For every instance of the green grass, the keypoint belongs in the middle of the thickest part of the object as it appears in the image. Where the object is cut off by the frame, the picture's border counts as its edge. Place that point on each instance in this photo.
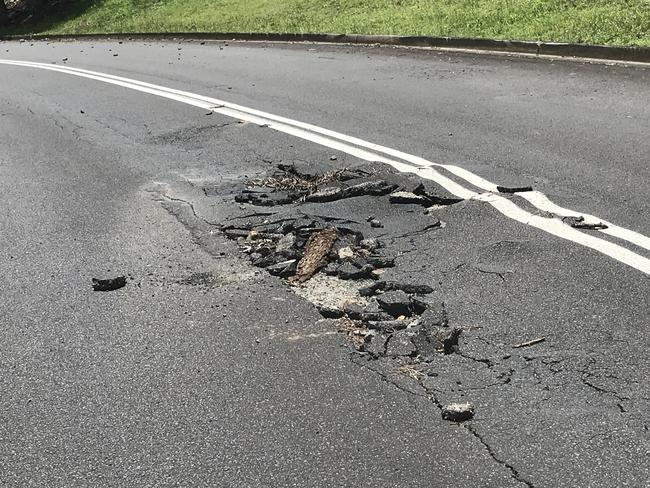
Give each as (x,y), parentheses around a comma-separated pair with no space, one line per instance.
(619,22)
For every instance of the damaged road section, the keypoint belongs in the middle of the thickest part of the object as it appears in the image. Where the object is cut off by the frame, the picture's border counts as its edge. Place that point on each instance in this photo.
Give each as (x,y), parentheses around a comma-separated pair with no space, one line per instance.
(383,318)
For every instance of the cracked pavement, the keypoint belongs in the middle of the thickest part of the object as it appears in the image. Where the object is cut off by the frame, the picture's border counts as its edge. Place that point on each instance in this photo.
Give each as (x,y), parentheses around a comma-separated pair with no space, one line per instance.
(205,370)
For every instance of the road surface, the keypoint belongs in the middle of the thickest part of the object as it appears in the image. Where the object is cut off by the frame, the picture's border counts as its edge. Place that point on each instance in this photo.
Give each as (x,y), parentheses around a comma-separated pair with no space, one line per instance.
(207,371)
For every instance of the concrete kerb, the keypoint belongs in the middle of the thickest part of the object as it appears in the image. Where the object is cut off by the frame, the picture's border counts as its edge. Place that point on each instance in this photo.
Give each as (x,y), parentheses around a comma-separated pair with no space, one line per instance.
(584,51)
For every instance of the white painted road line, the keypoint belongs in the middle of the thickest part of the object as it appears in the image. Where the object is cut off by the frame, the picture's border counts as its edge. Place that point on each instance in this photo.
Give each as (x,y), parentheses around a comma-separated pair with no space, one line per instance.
(353,146)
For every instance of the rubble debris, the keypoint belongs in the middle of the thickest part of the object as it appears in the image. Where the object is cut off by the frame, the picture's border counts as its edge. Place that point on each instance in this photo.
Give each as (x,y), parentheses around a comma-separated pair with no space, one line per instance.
(285,245)
(330,312)
(532,342)
(409,288)
(284,269)
(262,199)
(371,245)
(348,271)
(390,325)
(513,189)
(373,188)
(315,256)
(406,197)
(325,195)
(579,223)
(395,303)
(110,284)
(432,199)
(458,412)
(381,261)
(345,253)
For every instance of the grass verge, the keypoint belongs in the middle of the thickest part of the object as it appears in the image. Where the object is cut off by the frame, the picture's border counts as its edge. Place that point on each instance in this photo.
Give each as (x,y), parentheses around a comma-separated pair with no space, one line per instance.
(617,22)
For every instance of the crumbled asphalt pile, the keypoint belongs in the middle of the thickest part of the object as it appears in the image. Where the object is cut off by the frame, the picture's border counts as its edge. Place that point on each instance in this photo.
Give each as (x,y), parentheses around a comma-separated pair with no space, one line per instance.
(392,319)
(300,247)
(110,284)
(288,185)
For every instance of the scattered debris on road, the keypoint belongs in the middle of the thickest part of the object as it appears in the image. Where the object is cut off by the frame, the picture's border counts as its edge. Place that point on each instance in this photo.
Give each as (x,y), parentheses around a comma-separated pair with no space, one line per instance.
(110,284)
(529,343)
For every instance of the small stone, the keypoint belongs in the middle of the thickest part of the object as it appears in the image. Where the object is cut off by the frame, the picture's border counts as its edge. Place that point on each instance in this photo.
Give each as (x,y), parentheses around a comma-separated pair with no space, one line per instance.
(346,253)
(370,244)
(406,197)
(333,158)
(110,284)
(331,269)
(353,311)
(395,303)
(376,223)
(286,243)
(348,271)
(458,412)
(284,269)
(367,291)
(331,312)
(264,261)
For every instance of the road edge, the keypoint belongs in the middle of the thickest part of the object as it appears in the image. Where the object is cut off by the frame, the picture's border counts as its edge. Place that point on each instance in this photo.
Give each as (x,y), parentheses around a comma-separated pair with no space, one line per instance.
(557,49)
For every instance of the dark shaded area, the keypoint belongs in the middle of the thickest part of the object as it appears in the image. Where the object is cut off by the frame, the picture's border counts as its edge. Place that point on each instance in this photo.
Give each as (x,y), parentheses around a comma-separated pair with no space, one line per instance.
(29,16)
(110,284)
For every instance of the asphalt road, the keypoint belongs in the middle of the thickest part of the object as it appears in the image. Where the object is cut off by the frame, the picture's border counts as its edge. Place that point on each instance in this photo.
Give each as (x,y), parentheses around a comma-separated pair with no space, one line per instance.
(207,371)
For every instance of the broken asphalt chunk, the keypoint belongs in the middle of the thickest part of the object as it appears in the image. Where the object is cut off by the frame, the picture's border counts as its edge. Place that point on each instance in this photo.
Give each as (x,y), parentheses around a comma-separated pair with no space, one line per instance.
(458,412)
(283,269)
(395,303)
(388,326)
(370,244)
(348,271)
(406,197)
(325,195)
(331,312)
(374,188)
(110,284)
(381,261)
(579,223)
(513,189)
